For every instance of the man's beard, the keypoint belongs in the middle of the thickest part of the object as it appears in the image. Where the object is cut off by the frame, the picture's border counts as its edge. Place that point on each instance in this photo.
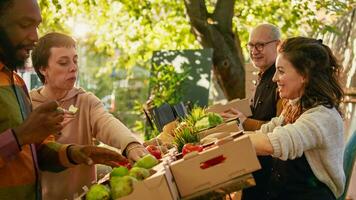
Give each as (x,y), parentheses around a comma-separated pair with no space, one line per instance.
(8,52)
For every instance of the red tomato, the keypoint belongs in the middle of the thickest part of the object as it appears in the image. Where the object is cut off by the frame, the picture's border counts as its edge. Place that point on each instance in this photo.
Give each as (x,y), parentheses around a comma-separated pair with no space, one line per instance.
(189,147)
(154,150)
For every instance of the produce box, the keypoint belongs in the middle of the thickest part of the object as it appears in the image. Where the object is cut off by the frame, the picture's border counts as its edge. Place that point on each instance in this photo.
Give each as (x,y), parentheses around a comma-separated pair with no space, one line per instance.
(158,186)
(243,105)
(230,126)
(214,166)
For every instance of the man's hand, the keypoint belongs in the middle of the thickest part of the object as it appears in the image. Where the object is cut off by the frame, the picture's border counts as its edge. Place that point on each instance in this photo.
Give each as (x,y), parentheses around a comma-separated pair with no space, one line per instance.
(68,117)
(233,113)
(46,119)
(89,155)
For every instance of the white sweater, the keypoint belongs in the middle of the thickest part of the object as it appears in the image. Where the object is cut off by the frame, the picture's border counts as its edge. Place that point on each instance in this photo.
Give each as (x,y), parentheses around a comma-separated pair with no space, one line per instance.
(318,133)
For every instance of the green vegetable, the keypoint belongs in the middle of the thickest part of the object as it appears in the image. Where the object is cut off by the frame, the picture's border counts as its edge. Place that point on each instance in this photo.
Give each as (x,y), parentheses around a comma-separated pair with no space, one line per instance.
(196,114)
(208,121)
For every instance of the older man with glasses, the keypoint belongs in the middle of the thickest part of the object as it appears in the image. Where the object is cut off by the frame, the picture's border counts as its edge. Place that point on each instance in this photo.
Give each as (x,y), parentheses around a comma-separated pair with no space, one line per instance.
(265,104)
(262,48)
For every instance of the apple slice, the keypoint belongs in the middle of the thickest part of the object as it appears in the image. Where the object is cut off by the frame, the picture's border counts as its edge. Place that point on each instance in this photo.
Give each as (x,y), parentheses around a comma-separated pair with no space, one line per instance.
(72,109)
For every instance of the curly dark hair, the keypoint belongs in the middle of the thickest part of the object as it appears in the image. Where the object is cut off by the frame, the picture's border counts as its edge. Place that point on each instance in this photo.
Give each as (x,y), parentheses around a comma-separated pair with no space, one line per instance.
(4,4)
(314,60)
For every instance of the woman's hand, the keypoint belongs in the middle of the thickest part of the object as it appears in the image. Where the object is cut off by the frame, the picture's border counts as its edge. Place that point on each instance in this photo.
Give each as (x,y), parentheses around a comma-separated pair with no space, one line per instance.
(89,155)
(135,151)
(261,143)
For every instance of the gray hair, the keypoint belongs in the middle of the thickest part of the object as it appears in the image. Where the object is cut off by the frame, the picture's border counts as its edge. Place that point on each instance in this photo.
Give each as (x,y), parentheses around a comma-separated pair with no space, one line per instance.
(275,32)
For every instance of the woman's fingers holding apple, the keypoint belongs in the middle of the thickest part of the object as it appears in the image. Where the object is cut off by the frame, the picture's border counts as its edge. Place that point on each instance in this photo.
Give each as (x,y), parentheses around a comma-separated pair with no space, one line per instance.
(136,153)
(89,155)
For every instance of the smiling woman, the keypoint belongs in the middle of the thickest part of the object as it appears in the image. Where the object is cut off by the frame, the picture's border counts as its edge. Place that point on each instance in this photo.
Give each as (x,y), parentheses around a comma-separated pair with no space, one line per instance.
(290,83)
(306,141)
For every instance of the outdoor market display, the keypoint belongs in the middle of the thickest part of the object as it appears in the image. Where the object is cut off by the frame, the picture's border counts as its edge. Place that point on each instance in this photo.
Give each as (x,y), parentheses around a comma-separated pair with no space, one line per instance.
(216,152)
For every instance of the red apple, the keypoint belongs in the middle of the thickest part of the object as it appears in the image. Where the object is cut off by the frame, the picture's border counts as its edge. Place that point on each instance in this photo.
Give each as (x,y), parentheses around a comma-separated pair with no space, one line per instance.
(126,164)
(154,150)
(189,147)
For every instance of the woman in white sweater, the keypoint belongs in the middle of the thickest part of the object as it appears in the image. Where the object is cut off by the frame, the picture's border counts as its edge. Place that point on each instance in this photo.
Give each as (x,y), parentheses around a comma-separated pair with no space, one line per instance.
(306,141)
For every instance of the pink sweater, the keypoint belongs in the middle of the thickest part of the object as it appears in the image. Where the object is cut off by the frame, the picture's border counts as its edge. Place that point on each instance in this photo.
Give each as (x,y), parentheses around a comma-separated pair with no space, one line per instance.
(92,121)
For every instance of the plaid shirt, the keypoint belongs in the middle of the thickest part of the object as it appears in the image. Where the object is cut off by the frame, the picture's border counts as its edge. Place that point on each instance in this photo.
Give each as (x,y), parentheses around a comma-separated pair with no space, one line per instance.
(19,168)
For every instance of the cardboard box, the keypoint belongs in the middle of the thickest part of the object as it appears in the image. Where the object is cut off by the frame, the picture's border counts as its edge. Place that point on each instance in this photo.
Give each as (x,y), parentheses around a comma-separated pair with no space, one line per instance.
(158,186)
(243,105)
(191,177)
(230,126)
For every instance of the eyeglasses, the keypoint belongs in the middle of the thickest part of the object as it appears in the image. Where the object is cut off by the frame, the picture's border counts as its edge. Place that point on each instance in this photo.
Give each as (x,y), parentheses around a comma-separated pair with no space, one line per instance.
(259,45)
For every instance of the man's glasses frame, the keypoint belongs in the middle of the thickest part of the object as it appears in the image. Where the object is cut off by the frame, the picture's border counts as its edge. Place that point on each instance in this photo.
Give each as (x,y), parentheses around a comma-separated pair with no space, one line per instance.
(259,46)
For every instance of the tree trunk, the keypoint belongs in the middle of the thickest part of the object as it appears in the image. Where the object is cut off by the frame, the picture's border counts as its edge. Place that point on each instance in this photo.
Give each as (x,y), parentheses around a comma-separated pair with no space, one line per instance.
(214,30)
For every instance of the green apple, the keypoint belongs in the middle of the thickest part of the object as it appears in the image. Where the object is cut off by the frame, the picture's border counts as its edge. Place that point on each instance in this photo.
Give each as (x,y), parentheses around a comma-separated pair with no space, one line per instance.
(98,192)
(147,162)
(139,173)
(121,186)
(119,171)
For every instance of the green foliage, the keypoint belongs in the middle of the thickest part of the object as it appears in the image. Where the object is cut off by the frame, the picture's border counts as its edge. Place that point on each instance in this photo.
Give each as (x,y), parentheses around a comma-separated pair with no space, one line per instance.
(293,17)
(121,35)
(118,35)
(165,87)
(149,132)
(166,84)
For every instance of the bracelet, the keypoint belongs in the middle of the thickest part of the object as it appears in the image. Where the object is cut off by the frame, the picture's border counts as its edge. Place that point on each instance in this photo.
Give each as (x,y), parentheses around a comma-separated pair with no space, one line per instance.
(132,146)
(69,157)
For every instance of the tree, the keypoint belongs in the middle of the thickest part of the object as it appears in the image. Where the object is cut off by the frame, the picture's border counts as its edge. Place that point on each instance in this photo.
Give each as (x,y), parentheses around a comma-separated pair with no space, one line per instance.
(121,35)
(214,29)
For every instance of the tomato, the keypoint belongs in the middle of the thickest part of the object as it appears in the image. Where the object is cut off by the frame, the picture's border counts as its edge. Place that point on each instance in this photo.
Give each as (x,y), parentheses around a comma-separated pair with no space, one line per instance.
(154,150)
(189,147)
